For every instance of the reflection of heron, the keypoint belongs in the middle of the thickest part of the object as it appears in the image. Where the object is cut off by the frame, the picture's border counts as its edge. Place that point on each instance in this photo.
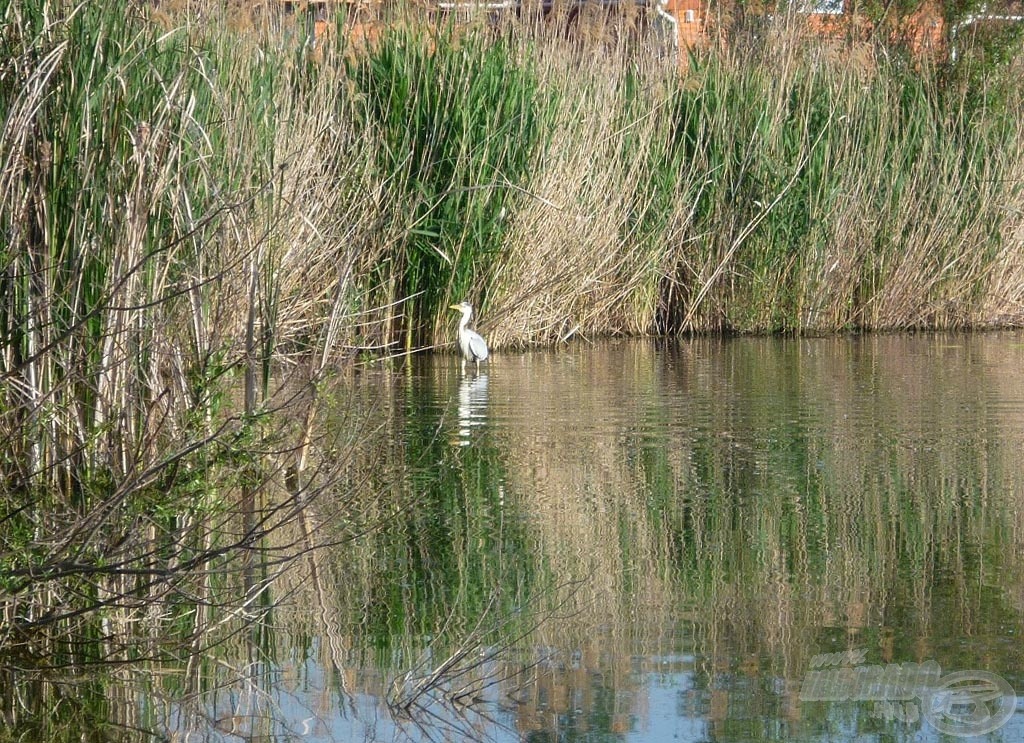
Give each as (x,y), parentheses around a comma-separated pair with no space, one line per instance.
(472,406)
(472,345)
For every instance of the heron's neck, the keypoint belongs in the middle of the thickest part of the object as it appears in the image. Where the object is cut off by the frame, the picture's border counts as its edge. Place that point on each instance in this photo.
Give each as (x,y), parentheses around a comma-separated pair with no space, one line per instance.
(464,321)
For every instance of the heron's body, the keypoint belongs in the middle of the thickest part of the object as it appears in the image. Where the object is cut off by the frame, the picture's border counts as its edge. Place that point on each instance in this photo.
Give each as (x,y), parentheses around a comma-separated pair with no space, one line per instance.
(471,344)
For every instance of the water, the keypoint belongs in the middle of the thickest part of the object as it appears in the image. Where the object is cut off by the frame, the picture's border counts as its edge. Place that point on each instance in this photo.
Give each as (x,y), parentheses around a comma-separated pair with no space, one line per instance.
(637,541)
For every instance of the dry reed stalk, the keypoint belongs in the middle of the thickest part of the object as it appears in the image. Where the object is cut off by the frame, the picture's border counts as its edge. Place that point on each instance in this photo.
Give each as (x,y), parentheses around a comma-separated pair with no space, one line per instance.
(1003,294)
(570,264)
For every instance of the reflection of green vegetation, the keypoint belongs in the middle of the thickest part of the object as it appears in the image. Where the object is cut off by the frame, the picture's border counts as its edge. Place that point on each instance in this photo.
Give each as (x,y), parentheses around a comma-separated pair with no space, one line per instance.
(854,523)
(457,548)
(786,511)
(774,499)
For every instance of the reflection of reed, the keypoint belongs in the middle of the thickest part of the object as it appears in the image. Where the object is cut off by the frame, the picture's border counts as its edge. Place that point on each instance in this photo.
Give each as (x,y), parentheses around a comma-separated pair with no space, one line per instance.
(577,481)
(799,485)
(722,510)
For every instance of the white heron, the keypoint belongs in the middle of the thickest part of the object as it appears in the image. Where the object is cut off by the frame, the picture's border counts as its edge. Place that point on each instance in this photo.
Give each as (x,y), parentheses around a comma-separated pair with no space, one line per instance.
(472,345)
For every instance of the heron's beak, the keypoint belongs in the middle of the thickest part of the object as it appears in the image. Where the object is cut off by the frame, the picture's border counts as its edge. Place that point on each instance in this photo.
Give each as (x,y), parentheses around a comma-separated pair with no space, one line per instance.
(454,307)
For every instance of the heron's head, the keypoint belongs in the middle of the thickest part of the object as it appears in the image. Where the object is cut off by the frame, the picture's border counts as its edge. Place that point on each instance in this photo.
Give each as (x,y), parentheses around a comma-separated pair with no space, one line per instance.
(464,307)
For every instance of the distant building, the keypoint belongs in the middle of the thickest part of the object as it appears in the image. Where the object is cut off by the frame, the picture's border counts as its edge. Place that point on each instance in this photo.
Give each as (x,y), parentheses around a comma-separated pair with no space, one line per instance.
(686,25)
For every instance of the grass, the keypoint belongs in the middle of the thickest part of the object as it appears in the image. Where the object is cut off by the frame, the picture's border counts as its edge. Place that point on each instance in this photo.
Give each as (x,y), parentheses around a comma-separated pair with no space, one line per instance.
(146,289)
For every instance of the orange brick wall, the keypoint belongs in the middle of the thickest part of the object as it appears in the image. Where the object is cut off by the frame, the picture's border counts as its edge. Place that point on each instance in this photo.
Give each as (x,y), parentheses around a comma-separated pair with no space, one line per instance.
(691,22)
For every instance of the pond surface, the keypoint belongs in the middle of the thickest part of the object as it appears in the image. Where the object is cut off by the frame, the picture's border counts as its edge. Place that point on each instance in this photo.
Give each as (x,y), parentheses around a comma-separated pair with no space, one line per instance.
(710,540)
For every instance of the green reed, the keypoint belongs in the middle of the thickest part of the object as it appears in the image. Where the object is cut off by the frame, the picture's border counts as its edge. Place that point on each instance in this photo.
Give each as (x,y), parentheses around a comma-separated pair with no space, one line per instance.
(839,198)
(142,209)
(459,120)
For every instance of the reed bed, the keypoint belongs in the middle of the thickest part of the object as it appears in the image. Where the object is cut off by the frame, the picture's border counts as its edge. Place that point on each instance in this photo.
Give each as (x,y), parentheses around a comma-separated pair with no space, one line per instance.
(563,186)
(194,205)
(146,290)
(775,188)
